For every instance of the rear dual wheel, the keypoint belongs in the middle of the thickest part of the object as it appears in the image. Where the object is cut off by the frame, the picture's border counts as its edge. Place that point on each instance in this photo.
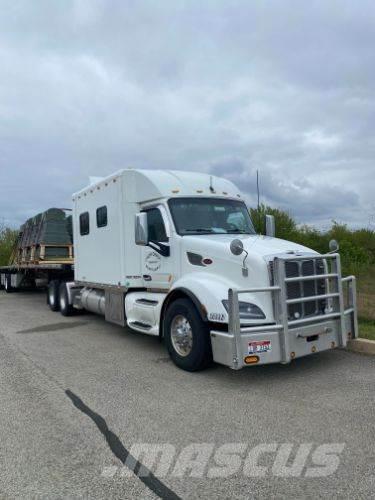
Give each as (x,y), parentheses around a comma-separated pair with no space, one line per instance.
(66,308)
(58,298)
(53,295)
(8,283)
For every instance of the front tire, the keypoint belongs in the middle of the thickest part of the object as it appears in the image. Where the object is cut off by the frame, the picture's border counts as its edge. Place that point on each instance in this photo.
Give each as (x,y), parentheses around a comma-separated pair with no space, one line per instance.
(187,336)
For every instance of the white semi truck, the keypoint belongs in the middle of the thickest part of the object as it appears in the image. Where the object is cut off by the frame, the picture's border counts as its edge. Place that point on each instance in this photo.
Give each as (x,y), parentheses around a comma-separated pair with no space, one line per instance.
(175,255)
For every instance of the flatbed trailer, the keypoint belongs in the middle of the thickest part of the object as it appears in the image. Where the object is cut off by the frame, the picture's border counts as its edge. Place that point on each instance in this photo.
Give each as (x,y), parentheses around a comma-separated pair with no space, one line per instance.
(21,276)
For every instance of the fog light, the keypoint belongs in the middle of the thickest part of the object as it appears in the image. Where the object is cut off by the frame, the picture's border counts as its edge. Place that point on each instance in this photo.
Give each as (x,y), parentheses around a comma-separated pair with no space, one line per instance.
(292,355)
(333,345)
(251,360)
(313,349)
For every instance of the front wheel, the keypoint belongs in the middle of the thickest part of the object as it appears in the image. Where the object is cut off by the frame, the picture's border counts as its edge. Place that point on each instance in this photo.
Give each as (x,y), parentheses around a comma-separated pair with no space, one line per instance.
(187,336)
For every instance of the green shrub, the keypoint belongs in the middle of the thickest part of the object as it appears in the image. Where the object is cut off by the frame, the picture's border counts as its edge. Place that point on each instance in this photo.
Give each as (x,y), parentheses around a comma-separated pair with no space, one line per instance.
(285,224)
(7,240)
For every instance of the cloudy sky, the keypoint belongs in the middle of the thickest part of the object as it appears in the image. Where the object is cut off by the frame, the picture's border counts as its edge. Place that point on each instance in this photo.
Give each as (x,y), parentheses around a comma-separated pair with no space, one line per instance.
(228,87)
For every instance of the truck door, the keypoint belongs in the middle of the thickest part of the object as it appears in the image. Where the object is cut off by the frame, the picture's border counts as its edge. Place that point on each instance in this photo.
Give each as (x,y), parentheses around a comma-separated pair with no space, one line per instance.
(157,261)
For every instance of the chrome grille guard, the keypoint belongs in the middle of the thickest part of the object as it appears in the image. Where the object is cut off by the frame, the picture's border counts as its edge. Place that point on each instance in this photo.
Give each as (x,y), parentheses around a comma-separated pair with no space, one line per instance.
(337,289)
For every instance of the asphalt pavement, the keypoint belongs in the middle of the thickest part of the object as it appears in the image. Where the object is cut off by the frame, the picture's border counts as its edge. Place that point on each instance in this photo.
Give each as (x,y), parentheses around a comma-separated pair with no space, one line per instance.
(79,396)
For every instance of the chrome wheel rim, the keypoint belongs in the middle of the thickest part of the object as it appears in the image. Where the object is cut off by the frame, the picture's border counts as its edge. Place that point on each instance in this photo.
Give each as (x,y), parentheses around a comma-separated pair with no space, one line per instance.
(181,335)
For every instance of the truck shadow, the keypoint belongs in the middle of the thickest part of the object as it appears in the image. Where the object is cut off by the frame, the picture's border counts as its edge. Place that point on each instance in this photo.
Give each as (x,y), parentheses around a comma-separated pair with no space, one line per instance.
(53,327)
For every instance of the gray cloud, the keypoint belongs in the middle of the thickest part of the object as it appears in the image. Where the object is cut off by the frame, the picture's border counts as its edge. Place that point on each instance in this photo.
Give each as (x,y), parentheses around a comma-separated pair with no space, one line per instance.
(88,87)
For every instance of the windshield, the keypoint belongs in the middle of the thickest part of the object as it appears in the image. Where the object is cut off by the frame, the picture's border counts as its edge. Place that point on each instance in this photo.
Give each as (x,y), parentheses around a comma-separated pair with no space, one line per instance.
(210,216)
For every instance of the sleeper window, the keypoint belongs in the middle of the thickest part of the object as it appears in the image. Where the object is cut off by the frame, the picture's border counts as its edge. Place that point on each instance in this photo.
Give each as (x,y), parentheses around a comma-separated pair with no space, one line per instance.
(84,223)
(101,216)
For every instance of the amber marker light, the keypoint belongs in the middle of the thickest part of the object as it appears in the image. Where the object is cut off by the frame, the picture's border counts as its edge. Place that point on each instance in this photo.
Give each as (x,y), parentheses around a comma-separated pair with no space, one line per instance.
(251,360)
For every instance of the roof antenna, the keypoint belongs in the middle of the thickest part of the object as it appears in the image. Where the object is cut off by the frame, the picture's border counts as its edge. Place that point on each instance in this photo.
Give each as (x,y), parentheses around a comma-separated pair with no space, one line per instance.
(259,217)
(211,186)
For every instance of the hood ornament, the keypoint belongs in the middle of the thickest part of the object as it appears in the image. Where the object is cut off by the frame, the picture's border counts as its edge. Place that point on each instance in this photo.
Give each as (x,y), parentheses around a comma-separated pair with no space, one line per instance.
(294,252)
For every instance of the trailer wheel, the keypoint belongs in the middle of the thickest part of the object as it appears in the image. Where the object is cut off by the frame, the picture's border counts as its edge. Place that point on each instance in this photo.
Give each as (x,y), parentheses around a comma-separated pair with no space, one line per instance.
(53,295)
(187,337)
(8,283)
(66,309)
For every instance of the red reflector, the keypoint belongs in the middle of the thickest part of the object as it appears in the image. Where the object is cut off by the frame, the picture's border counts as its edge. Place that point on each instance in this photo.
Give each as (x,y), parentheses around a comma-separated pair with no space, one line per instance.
(207,262)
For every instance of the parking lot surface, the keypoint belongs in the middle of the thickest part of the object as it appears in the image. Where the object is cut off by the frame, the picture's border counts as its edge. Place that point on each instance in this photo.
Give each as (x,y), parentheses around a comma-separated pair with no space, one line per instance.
(78,395)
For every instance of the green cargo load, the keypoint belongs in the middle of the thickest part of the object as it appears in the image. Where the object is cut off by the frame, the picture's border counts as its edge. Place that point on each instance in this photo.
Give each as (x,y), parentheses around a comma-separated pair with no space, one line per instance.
(46,237)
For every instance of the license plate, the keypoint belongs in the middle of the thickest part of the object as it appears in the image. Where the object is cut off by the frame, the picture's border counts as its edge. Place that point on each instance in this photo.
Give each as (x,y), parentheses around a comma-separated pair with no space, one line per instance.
(259,346)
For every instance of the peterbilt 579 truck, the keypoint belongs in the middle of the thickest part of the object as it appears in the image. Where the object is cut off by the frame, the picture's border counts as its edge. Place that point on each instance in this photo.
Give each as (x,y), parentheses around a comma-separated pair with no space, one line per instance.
(175,255)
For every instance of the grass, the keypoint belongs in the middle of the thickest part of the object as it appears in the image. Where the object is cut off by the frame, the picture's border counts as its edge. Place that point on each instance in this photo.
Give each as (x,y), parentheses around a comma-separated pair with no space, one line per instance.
(366,305)
(366,328)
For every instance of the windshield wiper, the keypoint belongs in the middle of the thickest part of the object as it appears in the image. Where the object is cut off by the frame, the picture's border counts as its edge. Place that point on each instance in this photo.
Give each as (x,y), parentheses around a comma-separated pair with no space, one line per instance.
(199,230)
(242,231)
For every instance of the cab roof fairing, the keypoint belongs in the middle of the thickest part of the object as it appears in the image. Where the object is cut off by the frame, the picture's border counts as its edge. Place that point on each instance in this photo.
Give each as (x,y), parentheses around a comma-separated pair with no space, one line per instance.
(146,185)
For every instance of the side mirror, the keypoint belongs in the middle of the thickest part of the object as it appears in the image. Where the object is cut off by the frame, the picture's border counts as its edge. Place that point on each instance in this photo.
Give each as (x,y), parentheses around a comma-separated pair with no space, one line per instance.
(236,247)
(270,226)
(141,229)
(333,246)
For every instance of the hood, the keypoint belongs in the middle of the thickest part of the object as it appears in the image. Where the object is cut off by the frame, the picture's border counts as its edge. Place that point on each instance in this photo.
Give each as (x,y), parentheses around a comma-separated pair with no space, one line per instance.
(262,246)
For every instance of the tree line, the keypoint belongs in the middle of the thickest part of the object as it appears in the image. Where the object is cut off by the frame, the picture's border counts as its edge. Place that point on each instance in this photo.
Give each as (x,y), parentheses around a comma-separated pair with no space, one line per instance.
(357,246)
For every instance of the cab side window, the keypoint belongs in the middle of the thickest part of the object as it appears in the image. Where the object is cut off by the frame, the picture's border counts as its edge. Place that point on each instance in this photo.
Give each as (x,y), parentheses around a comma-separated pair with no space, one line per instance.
(156,228)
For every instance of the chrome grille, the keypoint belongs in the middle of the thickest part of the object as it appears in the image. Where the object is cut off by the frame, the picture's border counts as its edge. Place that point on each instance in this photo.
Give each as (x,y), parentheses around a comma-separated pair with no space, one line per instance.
(297,289)
(309,288)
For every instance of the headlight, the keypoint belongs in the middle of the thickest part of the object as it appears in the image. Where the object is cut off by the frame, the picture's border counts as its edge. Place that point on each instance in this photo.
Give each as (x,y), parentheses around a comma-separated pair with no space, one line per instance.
(247,310)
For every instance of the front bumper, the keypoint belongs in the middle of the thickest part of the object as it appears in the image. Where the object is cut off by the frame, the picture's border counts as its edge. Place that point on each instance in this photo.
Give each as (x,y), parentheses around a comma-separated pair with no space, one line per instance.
(289,339)
(267,347)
